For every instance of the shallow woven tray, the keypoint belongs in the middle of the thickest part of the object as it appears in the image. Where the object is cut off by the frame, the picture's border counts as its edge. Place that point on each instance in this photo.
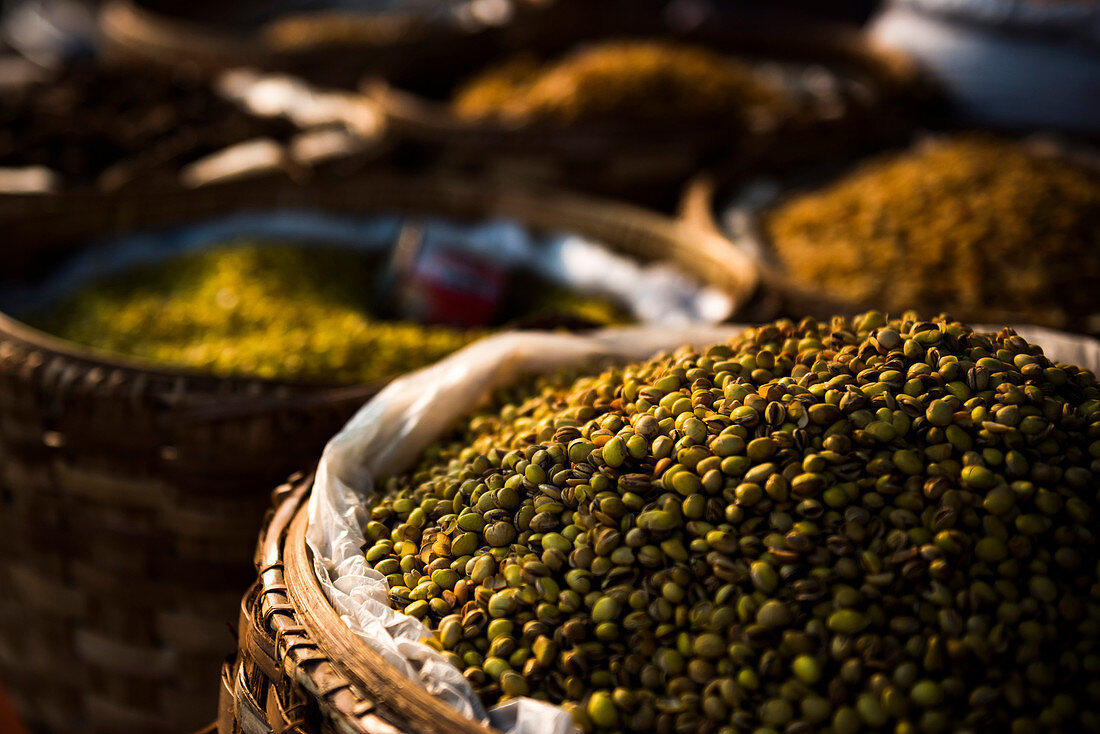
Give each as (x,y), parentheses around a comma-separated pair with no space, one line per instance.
(625,157)
(778,294)
(130,494)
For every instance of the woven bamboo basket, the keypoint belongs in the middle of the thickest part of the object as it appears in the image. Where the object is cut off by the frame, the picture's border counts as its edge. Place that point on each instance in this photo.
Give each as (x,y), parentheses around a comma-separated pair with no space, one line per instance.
(778,295)
(130,494)
(648,161)
(299,668)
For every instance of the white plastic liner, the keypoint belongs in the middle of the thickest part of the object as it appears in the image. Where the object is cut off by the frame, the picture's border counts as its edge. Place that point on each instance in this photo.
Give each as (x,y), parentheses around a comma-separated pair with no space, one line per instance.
(387,435)
(1060,346)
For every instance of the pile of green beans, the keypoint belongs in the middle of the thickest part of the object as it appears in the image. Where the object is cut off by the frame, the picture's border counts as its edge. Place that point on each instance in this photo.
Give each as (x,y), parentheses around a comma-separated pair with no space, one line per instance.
(851,525)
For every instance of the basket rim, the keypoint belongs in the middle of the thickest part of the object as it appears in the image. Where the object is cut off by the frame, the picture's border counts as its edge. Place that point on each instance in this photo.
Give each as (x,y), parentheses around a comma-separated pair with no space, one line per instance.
(538,207)
(417,115)
(128,25)
(134,27)
(286,569)
(12,329)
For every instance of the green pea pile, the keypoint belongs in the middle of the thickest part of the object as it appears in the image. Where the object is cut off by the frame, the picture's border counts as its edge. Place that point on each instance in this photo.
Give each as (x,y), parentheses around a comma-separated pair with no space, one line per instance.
(840,526)
(278,311)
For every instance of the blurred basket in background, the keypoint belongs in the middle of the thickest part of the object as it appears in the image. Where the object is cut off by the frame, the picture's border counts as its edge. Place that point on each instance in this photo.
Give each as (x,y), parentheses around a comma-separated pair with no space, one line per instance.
(132,493)
(847,94)
(956,182)
(330,43)
(114,126)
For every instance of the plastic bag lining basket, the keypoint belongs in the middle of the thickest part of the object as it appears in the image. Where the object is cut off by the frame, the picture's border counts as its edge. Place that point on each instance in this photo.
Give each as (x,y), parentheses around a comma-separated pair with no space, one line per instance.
(130,494)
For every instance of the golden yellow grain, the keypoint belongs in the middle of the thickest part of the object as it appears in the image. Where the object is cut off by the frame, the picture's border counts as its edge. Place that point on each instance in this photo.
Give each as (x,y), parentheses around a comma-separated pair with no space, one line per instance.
(972,225)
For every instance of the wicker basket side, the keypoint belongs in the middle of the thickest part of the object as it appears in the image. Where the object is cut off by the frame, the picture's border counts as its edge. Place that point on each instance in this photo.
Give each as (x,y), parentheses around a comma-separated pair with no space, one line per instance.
(298,665)
(123,528)
(637,159)
(122,532)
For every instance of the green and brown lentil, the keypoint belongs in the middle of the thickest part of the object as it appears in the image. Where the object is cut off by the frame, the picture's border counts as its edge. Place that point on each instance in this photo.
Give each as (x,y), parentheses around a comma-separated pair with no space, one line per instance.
(777,534)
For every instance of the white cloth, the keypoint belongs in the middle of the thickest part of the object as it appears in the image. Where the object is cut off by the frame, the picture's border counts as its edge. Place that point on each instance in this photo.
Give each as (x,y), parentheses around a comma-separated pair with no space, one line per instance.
(1005,62)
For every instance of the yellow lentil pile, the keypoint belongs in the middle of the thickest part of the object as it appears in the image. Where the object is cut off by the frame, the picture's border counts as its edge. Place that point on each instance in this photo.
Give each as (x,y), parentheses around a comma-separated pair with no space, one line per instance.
(617,81)
(976,226)
(270,310)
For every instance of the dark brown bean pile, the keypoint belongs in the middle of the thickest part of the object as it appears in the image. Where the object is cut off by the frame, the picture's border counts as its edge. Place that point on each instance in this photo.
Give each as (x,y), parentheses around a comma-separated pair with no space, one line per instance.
(108,126)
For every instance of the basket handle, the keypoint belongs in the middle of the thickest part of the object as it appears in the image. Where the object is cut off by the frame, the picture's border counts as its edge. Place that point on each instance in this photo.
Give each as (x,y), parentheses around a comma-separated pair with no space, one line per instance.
(695,203)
